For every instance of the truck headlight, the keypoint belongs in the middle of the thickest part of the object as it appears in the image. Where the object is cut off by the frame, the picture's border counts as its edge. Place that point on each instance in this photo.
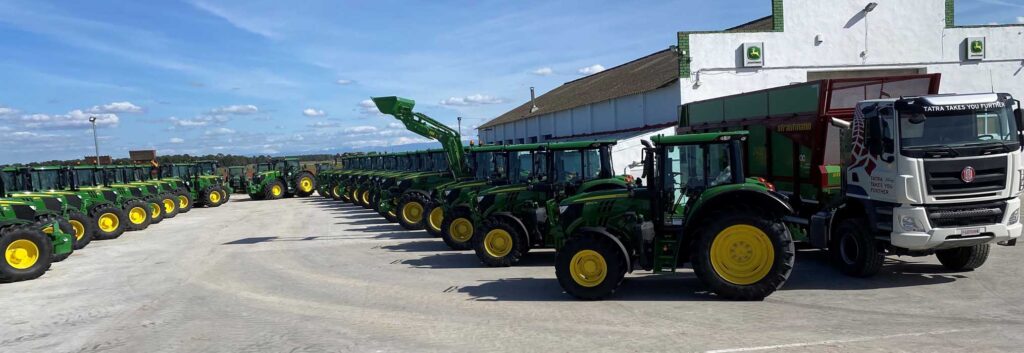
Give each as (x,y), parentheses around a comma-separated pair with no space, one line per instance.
(910,224)
(1014,217)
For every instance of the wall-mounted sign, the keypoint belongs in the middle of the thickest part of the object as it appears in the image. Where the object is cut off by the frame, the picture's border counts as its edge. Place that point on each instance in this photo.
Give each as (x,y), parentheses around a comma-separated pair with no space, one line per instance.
(753,54)
(975,48)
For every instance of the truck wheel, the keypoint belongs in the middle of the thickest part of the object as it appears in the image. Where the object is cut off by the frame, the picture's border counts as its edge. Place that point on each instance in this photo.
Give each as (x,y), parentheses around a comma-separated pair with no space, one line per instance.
(139,217)
(26,253)
(156,212)
(412,209)
(457,230)
(435,217)
(743,256)
(184,201)
(855,250)
(274,190)
(305,184)
(498,244)
(590,267)
(170,205)
(110,222)
(83,227)
(46,225)
(965,258)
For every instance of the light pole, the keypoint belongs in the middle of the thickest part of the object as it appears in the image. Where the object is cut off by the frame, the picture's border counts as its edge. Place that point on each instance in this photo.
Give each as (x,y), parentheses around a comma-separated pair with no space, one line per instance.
(460,127)
(95,140)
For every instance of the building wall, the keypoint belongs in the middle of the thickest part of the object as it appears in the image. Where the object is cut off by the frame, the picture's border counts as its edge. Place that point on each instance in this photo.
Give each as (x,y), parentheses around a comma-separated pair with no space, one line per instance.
(624,113)
(898,34)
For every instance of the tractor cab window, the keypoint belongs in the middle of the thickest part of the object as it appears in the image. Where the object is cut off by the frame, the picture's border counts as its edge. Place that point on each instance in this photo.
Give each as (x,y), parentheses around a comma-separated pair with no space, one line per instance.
(45,179)
(690,169)
(89,177)
(207,168)
(8,181)
(484,165)
(439,161)
(262,167)
(521,166)
(575,166)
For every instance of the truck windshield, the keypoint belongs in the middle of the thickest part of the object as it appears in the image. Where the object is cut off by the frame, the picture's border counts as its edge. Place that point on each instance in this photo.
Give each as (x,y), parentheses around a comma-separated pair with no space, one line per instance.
(958,127)
(577,165)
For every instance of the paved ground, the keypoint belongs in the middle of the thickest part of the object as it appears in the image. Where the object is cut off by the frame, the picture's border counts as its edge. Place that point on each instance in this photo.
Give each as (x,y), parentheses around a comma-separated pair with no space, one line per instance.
(306,275)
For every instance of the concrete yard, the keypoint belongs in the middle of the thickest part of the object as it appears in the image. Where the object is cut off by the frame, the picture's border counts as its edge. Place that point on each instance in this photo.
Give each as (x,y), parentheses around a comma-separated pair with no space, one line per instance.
(309,275)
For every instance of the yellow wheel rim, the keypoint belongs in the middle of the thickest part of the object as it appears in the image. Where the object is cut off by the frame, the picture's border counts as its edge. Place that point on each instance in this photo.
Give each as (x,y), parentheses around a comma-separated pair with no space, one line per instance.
(588,268)
(435,218)
(413,212)
(108,222)
(215,197)
(168,205)
(306,184)
(276,190)
(21,254)
(137,215)
(336,192)
(461,230)
(366,197)
(154,210)
(498,243)
(742,254)
(182,201)
(79,229)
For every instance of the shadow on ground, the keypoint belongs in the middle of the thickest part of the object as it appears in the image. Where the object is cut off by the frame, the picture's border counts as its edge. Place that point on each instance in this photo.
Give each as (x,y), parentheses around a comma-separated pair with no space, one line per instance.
(468,259)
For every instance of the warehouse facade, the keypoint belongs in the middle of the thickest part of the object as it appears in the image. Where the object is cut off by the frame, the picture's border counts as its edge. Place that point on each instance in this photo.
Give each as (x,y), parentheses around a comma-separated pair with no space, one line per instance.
(802,40)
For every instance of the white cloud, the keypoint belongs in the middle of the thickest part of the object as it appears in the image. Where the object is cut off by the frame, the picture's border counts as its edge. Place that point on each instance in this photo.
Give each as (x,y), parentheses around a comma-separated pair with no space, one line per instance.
(116,107)
(73,119)
(4,128)
(476,99)
(200,121)
(1020,19)
(220,131)
(344,82)
(544,71)
(364,129)
(7,111)
(324,124)
(237,109)
(590,70)
(396,125)
(368,107)
(313,113)
(176,140)
(254,24)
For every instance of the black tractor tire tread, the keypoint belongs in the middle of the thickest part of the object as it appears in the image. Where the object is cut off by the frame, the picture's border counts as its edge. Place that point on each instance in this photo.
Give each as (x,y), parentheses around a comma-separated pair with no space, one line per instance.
(298,178)
(782,241)
(7,236)
(616,261)
(122,224)
(174,200)
(519,244)
(405,199)
(446,226)
(90,228)
(128,206)
(267,190)
(187,195)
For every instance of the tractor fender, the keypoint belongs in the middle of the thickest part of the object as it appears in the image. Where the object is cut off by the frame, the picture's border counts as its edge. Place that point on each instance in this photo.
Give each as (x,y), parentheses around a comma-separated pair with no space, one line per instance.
(746,196)
(426,194)
(515,220)
(604,232)
(92,211)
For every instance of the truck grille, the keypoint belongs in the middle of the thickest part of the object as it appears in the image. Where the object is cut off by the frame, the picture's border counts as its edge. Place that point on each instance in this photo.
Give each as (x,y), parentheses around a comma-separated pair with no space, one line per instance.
(966,215)
(944,176)
(24,212)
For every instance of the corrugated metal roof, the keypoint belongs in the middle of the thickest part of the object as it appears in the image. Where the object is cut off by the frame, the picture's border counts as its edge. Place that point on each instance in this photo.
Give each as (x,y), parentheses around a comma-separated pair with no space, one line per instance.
(641,75)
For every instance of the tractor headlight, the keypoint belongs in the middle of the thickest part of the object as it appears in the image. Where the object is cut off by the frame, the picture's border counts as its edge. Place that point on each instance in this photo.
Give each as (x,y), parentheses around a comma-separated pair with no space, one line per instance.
(561,209)
(446,192)
(910,224)
(1014,217)
(479,198)
(33,207)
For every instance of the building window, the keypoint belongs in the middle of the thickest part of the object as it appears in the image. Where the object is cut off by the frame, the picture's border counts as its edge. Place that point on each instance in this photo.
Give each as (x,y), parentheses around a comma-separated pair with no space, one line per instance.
(520,141)
(533,139)
(546,137)
(508,142)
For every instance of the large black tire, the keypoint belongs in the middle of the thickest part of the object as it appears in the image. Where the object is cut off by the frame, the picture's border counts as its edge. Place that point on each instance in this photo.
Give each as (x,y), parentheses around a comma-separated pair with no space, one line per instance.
(273,190)
(499,244)
(224,195)
(111,222)
(412,210)
(185,201)
(725,255)
(855,250)
(140,216)
(46,224)
(301,188)
(83,227)
(457,229)
(364,198)
(353,196)
(215,196)
(170,205)
(965,258)
(434,220)
(590,267)
(156,211)
(15,267)
(257,196)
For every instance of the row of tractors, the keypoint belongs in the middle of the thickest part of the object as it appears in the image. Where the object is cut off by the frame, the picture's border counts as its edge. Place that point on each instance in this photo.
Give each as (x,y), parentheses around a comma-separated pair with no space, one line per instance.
(49,212)
(694,203)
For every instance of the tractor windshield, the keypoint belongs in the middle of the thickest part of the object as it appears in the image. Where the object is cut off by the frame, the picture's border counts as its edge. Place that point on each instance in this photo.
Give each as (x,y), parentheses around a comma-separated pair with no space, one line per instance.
(207,167)
(439,161)
(262,167)
(579,165)
(89,177)
(521,166)
(485,165)
(690,169)
(46,179)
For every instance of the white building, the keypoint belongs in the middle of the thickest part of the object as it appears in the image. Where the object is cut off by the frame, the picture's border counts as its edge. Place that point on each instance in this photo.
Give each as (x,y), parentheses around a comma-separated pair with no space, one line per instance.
(803,40)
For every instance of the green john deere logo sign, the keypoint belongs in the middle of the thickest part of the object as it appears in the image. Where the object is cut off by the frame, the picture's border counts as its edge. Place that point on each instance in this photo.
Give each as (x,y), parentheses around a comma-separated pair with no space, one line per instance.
(754,53)
(977,47)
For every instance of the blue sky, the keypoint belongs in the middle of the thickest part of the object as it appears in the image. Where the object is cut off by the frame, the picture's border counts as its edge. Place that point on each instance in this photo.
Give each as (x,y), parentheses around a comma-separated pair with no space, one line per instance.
(277,77)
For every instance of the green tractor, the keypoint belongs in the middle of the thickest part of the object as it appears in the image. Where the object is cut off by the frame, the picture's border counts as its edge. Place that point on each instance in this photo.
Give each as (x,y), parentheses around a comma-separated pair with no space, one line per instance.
(511,219)
(323,170)
(238,178)
(90,213)
(697,208)
(283,178)
(194,185)
(165,194)
(91,178)
(27,249)
(53,217)
(210,170)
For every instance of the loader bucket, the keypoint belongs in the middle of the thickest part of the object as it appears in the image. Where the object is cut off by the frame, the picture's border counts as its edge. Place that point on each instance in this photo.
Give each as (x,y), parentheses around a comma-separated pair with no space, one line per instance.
(394,105)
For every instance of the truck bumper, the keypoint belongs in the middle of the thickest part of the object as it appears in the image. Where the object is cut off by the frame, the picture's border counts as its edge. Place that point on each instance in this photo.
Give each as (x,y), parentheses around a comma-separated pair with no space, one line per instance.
(928,238)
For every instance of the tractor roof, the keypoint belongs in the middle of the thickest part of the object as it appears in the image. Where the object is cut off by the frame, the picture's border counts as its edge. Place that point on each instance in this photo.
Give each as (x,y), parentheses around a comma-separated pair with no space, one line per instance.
(575,145)
(709,137)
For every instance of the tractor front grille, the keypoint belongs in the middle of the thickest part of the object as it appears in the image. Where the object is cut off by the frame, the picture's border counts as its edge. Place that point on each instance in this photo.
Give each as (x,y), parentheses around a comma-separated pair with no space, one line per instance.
(75,201)
(109,195)
(24,212)
(52,203)
(151,189)
(136,192)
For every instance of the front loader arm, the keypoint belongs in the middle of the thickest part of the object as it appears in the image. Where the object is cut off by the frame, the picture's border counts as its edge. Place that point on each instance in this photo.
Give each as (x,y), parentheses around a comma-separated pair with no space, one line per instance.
(426,126)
